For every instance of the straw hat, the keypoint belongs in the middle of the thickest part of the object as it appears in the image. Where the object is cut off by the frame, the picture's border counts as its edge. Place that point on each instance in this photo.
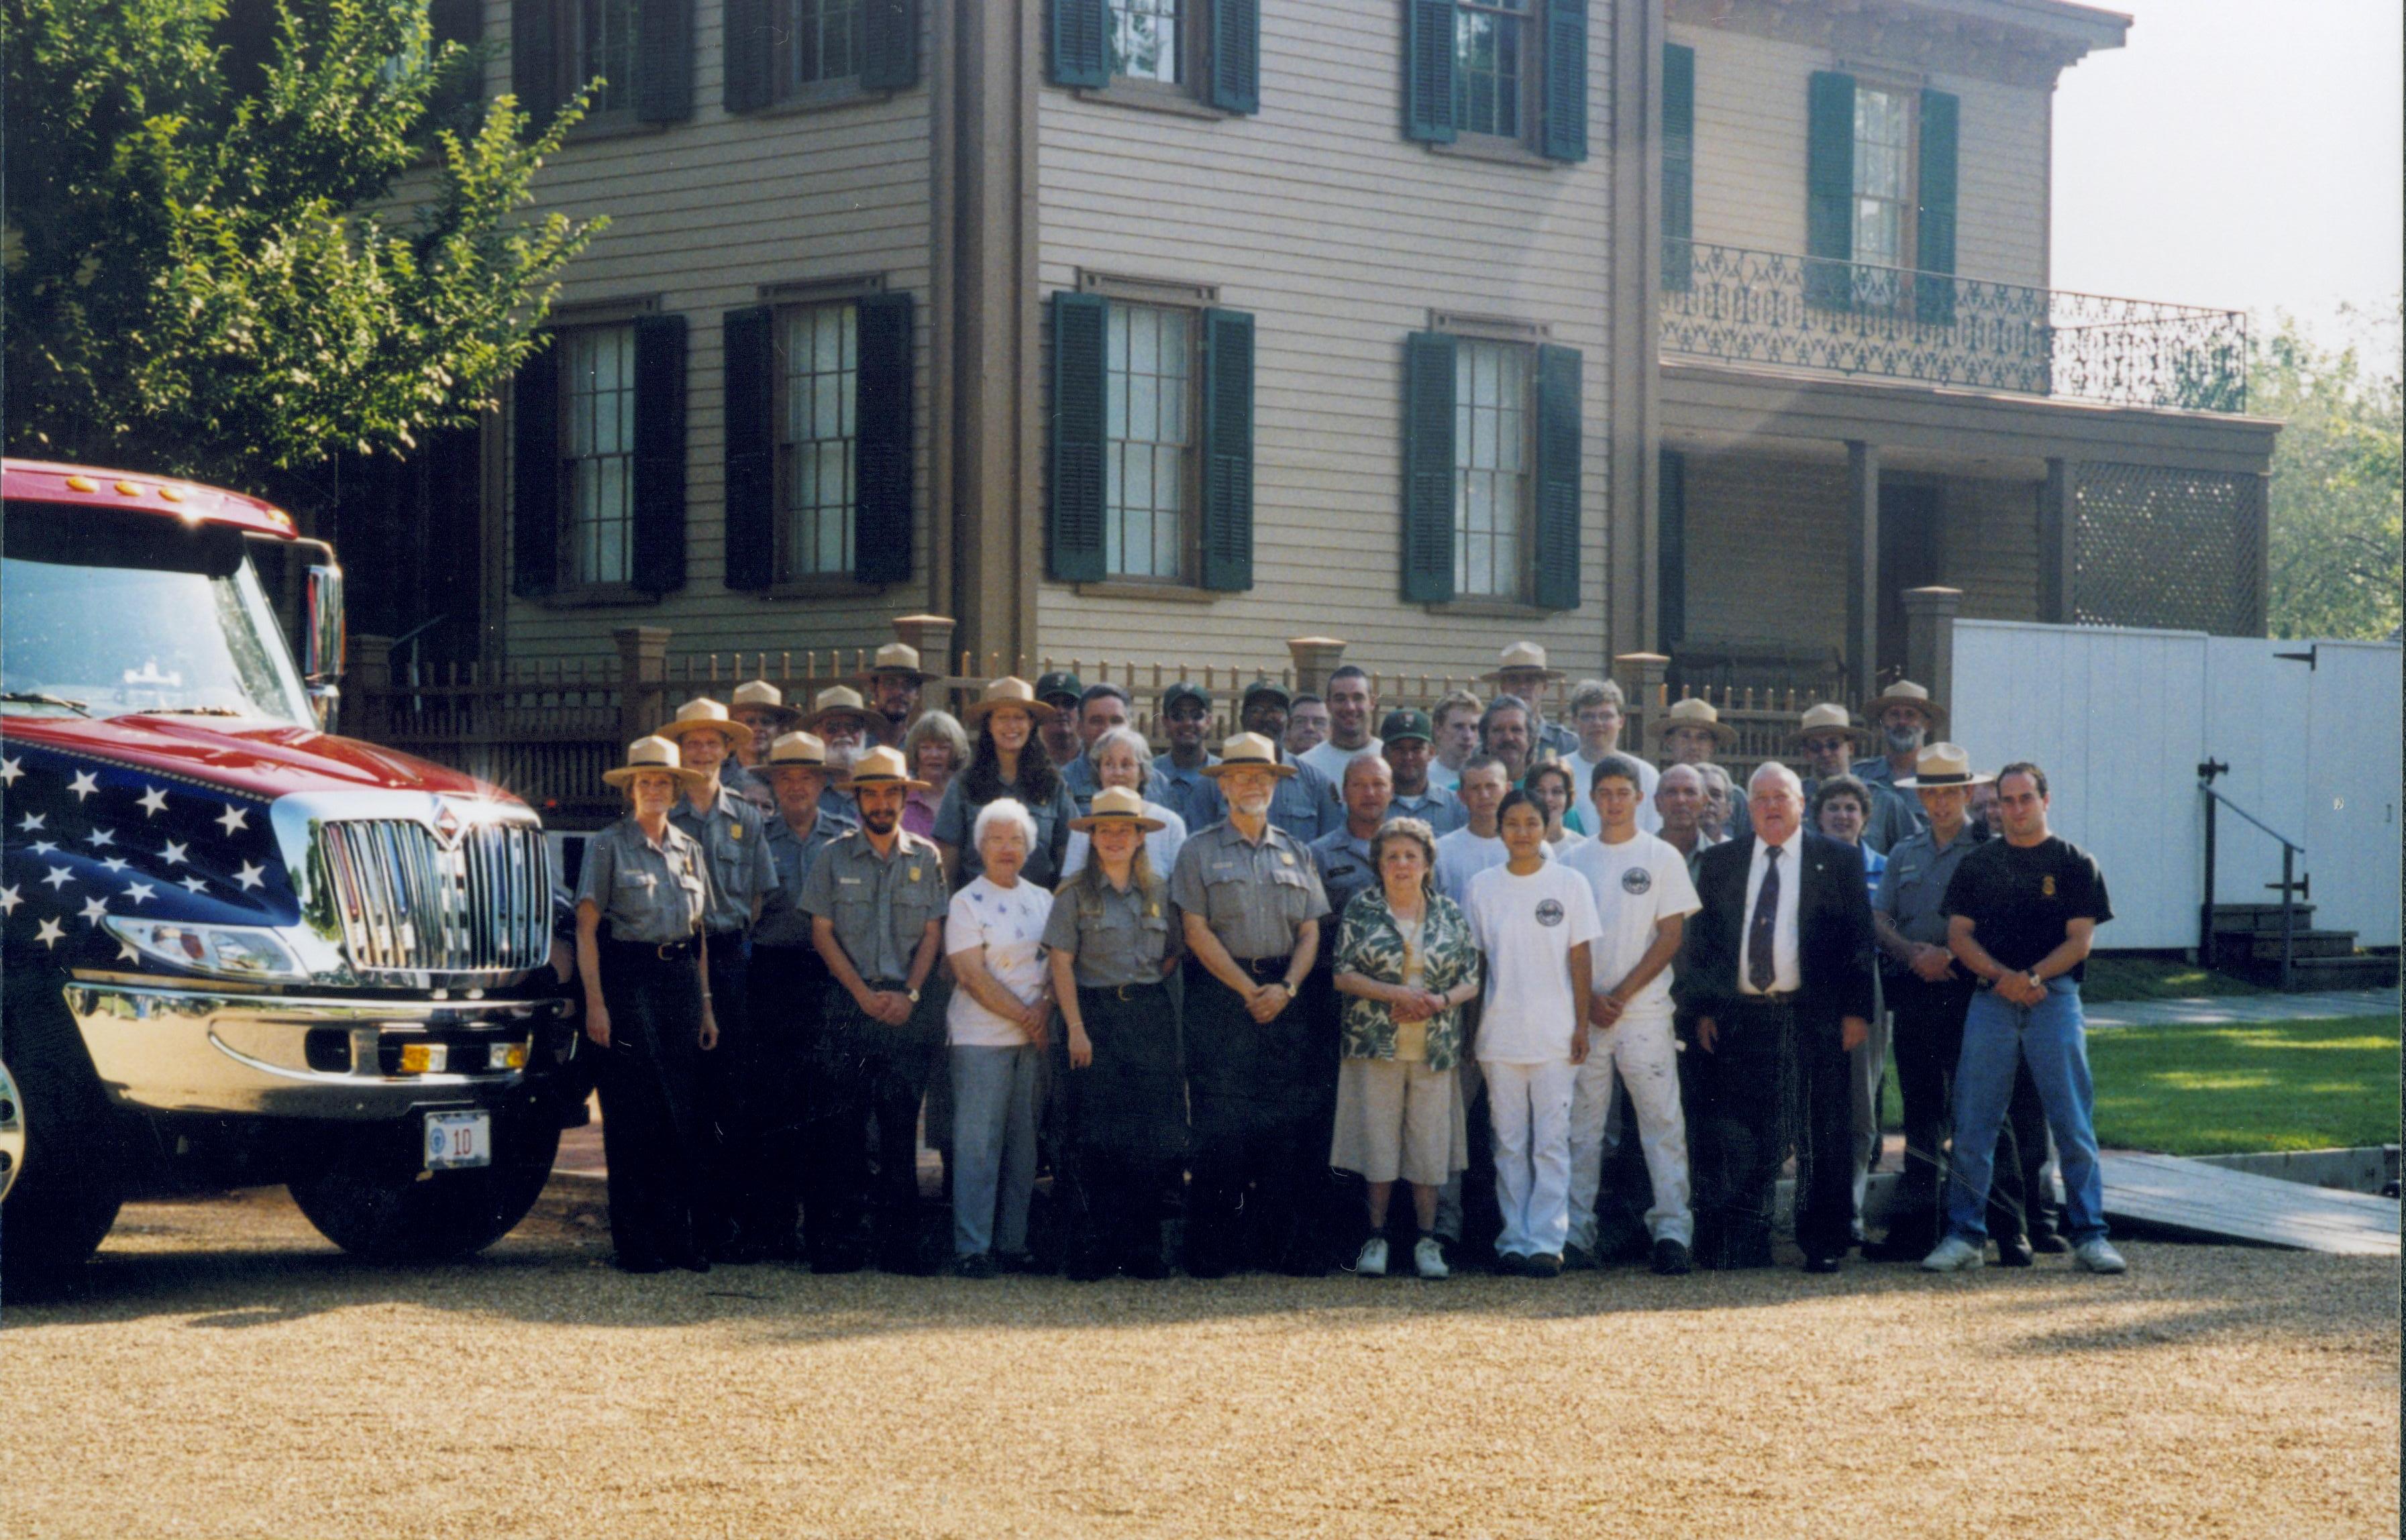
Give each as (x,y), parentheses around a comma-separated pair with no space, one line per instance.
(1941,764)
(1829,717)
(654,755)
(884,768)
(703,712)
(758,695)
(900,657)
(1009,690)
(797,748)
(836,700)
(1905,692)
(1248,751)
(1117,805)
(1521,655)
(1695,711)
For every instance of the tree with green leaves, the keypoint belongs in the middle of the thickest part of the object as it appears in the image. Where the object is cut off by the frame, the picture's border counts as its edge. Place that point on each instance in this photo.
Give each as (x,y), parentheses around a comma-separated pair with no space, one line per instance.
(2338,551)
(233,261)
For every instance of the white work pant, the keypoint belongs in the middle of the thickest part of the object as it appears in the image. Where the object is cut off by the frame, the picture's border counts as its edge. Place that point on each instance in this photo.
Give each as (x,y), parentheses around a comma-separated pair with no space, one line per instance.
(1529,1107)
(1647,1056)
(1866,1067)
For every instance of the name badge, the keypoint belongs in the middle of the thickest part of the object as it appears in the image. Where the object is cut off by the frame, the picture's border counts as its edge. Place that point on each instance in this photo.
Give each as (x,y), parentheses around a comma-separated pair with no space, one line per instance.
(1285,857)
(914,874)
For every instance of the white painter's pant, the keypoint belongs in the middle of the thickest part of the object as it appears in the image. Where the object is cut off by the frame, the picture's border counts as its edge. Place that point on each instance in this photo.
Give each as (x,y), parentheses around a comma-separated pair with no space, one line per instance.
(1529,1107)
(1647,1054)
(1865,1069)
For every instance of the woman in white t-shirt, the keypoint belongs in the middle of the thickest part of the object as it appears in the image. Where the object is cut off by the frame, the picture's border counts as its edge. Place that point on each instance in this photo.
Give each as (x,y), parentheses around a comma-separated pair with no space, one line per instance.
(1536,920)
(1556,791)
(1002,1001)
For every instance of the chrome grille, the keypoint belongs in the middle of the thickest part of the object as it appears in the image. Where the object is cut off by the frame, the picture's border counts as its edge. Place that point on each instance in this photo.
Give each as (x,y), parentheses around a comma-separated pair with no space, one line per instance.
(406,904)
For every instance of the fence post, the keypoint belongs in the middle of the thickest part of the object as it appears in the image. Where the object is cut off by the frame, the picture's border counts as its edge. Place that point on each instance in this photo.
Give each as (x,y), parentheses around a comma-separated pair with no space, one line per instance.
(1315,659)
(931,635)
(1640,678)
(370,675)
(643,679)
(1930,640)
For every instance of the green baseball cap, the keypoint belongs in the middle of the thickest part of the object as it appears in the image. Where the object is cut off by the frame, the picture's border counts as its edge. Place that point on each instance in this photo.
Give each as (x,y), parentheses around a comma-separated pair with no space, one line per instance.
(1407,723)
(1060,683)
(1186,689)
(1266,686)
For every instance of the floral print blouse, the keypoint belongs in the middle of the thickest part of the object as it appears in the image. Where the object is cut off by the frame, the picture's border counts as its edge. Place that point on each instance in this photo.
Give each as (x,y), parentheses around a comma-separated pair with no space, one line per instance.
(1370,944)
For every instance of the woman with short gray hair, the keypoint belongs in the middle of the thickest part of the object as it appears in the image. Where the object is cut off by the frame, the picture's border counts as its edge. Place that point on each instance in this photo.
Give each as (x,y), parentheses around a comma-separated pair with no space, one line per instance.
(996,1029)
(936,749)
(1123,758)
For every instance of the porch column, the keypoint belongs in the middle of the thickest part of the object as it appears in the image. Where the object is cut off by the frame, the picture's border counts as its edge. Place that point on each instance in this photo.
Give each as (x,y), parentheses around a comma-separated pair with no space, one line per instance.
(643,678)
(1930,640)
(1315,659)
(2058,517)
(1862,566)
(1640,677)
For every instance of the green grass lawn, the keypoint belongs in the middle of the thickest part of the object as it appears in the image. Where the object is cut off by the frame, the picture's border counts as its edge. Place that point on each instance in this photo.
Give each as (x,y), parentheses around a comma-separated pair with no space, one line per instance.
(2248,1086)
(2143,976)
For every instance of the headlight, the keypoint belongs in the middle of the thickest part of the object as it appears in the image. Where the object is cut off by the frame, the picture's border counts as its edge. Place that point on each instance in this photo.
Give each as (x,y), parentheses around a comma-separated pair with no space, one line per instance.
(232,951)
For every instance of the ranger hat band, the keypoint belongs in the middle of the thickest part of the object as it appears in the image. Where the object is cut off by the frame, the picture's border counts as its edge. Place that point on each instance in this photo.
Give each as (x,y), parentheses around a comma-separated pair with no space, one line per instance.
(1060,682)
(834,701)
(701,713)
(884,768)
(1830,716)
(1942,765)
(898,657)
(1695,713)
(1519,657)
(1117,805)
(1248,751)
(807,750)
(1405,725)
(654,756)
(1905,692)
(1008,691)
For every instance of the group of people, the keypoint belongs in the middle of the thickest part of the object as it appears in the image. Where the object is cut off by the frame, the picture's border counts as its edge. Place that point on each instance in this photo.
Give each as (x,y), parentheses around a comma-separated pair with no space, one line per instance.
(1583,1007)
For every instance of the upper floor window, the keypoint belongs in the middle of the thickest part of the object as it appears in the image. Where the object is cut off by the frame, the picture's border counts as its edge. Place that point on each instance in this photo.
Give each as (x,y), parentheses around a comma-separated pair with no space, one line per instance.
(1879,188)
(1148,436)
(1492,425)
(1171,55)
(599,37)
(641,51)
(1502,78)
(1145,42)
(817,51)
(1883,234)
(596,451)
(819,42)
(1490,462)
(820,378)
(1491,47)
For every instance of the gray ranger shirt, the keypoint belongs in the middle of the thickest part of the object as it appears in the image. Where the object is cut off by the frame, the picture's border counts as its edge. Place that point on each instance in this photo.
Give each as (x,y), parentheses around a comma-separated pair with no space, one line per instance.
(1118,936)
(731,836)
(1254,897)
(881,905)
(782,921)
(655,895)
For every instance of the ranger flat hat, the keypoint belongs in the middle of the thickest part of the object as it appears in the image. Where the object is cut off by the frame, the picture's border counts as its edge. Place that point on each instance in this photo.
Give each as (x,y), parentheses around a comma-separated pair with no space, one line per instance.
(836,700)
(884,768)
(1117,805)
(1248,751)
(806,749)
(1829,717)
(1905,692)
(654,756)
(699,714)
(1407,723)
(900,657)
(1695,711)
(758,695)
(1060,682)
(1940,765)
(1008,691)
(1520,656)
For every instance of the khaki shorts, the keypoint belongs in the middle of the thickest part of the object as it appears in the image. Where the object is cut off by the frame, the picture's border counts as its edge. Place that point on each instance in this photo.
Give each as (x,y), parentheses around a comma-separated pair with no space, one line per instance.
(1398,1119)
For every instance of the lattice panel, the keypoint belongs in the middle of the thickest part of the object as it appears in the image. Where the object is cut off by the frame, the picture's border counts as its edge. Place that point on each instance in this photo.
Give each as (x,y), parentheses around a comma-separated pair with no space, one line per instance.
(2172,549)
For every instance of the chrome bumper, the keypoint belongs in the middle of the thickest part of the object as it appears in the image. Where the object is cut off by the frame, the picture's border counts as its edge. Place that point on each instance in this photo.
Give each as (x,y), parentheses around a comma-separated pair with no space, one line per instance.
(165,1049)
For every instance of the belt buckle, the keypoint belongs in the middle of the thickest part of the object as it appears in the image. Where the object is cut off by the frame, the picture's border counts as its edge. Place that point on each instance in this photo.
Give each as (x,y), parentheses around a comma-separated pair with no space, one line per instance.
(668,952)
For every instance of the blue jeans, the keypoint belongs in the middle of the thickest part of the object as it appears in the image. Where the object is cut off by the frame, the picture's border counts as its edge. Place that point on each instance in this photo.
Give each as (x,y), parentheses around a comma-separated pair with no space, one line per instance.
(994,1147)
(2052,1039)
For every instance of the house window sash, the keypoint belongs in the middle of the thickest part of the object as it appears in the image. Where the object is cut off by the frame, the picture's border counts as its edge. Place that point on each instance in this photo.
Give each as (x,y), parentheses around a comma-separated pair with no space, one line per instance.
(1148,493)
(818,377)
(597,382)
(1493,431)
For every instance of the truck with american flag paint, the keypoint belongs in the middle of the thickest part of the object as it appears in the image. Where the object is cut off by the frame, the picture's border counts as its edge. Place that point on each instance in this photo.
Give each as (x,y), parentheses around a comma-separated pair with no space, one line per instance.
(235,947)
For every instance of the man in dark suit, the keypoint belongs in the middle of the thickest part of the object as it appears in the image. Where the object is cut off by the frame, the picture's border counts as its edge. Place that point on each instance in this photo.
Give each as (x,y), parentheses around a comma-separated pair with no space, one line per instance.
(1777,976)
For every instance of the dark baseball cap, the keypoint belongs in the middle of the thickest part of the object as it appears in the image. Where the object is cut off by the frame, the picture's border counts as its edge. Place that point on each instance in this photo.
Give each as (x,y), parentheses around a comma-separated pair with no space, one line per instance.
(1407,724)
(1266,686)
(1057,683)
(1186,689)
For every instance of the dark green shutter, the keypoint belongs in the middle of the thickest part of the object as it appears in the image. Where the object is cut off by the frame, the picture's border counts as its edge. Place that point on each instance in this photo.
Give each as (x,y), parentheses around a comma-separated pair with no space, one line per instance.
(664,70)
(1428,466)
(1671,552)
(1081,54)
(1558,478)
(1564,137)
(534,70)
(881,441)
(534,489)
(1678,166)
(660,453)
(1428,72)
(1227,450)
(889,52)
(750,57)
(1934,223)
(1237,55)
(748,347)
(1830,191)
(1080,327)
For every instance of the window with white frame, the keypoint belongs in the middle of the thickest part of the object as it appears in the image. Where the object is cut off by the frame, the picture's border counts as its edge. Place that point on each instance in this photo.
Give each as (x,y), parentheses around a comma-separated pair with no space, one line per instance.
(1883,212)
(597,384)
(1145,40)
(1149,438)
(1491,455)
(818,355)
(1490,67)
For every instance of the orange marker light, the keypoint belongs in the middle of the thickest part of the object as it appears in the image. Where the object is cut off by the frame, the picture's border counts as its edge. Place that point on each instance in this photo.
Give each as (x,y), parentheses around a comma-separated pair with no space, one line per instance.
(82,484)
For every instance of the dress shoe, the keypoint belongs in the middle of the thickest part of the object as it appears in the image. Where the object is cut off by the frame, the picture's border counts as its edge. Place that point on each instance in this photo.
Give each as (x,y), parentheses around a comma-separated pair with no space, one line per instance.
(1671,1259)
(1821,1263)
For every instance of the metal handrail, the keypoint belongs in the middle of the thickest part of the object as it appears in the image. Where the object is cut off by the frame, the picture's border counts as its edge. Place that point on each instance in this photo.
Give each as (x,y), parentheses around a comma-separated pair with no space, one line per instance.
(2291,886)
(2242,812)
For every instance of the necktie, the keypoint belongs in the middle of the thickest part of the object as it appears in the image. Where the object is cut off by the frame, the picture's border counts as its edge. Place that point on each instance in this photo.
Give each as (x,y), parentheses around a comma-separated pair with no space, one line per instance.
(1760,972)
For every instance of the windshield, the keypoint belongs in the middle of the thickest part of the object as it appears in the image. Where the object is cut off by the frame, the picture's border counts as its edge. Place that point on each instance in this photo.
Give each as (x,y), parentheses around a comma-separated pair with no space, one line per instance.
(108,612)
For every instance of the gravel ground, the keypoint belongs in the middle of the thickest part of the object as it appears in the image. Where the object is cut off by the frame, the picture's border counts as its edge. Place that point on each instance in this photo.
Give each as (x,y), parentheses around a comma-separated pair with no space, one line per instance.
(231,1374)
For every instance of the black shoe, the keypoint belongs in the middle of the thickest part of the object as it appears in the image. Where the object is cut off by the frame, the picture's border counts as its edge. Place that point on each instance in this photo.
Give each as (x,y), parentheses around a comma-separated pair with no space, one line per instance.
(2050,1243)
(639,1265)
(1148,1267)
(1207,1266)
(1822,1262)
(1543,1264)
(2016,1252)
(839,1262)
(1016,1262)
(1894,1246)
(1671,1258)
(1511,1265)
(977,1265)
(696,1264)
(1090,1270)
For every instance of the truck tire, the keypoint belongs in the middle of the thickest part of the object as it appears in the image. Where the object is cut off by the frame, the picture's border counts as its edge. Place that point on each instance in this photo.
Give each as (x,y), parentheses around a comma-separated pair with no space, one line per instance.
(382,1215)
(64,1190)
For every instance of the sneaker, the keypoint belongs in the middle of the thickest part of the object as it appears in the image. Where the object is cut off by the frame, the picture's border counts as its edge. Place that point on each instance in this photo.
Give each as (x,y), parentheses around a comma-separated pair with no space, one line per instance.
(1372,1263)
(2098,1255)
(1428,1259)
(1955,1255)
(1671,1258)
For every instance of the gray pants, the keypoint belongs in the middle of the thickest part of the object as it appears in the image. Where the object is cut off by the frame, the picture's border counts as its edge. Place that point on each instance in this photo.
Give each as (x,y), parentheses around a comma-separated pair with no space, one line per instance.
(994,1145)
(1866,1067)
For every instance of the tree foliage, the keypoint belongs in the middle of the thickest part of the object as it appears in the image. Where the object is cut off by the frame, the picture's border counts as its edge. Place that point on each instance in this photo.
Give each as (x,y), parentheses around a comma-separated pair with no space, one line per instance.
(2339,552)
(223,266)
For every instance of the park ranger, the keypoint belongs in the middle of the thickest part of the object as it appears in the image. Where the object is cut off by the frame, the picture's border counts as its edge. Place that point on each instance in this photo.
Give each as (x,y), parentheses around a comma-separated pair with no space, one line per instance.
(1302,803)
(1249,903)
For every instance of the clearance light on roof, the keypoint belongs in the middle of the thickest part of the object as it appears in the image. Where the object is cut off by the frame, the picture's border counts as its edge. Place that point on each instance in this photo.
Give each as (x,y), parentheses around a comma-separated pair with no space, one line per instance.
(173,494)
(82,484)
(127,489)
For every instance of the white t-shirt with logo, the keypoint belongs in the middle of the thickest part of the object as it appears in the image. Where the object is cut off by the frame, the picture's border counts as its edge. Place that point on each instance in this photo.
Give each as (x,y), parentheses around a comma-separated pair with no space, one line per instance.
(1010,924)
(1462,856)
(1649,821)
(1527,926)
(1330,760)
(1638,885)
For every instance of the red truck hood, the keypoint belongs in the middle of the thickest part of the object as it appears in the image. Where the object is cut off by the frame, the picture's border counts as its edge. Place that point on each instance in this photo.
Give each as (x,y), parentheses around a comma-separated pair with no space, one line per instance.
(265,761)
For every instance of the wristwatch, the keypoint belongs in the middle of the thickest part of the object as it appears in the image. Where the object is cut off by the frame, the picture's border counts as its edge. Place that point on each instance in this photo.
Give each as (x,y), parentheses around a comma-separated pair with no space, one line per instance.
(914,995)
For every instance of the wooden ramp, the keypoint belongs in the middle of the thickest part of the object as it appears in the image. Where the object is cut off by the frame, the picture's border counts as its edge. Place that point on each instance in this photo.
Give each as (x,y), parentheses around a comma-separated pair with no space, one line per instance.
(2210,1201)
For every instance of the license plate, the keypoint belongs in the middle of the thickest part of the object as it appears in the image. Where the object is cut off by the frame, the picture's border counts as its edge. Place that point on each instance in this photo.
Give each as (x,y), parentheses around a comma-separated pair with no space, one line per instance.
(456,1139)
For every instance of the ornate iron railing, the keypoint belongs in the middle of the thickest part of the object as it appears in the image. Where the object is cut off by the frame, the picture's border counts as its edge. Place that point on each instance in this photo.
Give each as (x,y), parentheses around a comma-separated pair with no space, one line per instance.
(1768,307)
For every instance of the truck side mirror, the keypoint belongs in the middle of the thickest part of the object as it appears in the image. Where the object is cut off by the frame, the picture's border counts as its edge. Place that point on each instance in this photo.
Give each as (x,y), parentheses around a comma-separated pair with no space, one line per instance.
(325,662)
